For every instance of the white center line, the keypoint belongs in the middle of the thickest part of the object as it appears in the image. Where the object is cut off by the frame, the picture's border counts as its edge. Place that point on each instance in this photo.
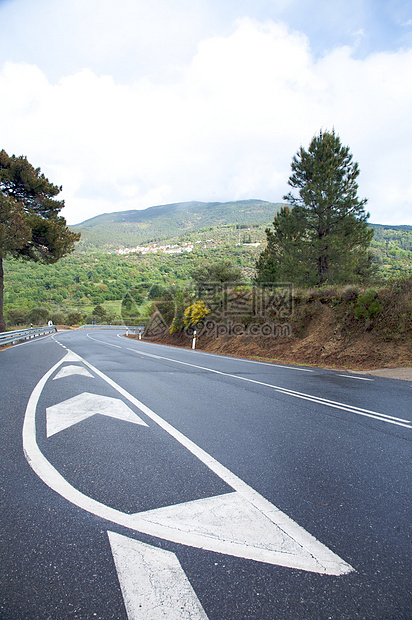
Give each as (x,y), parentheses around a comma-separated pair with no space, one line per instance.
(316,399)
(102,342)
(358,378)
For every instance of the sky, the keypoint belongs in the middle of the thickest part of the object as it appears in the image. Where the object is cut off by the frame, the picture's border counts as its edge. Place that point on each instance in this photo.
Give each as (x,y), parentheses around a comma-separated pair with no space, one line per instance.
(133,103)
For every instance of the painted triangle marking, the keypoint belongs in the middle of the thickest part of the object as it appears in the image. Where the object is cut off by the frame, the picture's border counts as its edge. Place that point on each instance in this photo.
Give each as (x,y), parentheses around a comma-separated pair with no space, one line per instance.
(66,371)
(154,585)
(230,524)
(71,357)
(74,410)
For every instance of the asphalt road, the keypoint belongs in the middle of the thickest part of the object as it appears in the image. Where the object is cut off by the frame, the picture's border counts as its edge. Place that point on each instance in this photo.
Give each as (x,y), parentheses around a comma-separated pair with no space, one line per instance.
(143,481)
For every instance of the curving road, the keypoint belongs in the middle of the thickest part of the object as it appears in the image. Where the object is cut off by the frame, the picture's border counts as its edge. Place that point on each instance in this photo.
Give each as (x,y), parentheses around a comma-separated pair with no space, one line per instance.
(144,481)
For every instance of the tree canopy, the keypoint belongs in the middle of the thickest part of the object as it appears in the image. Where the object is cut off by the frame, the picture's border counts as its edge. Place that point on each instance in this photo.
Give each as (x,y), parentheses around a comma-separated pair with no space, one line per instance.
(30,225)
(322,234)
(222,272)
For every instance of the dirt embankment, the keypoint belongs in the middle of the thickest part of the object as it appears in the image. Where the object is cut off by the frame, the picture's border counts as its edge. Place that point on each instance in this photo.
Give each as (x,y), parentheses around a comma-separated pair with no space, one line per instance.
(324,345)
(357,332)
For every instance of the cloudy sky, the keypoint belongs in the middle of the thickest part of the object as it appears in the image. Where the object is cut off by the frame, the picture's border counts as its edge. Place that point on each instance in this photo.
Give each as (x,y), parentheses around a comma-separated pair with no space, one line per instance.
(134,103)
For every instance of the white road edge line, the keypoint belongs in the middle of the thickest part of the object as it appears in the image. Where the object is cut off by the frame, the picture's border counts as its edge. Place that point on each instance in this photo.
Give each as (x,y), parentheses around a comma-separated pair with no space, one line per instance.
(358,378)
(376,415)
(241,359)
(109,344)
(383,417)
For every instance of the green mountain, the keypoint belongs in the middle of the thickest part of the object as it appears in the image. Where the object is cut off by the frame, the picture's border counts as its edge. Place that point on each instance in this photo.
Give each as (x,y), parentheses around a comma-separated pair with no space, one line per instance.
(131,228)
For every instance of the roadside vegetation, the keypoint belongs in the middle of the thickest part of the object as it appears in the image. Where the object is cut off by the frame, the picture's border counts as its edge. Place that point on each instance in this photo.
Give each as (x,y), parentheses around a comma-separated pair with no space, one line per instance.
(342,271)
(31,228)
(78,283)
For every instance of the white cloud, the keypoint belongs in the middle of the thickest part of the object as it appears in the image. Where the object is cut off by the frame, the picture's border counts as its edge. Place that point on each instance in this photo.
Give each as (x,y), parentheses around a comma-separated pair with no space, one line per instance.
(225,127)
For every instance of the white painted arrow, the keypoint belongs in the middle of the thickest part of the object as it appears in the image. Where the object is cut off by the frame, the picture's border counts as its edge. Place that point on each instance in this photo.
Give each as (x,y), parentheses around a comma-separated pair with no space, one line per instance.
(74,410)
(67,371)
(153,583)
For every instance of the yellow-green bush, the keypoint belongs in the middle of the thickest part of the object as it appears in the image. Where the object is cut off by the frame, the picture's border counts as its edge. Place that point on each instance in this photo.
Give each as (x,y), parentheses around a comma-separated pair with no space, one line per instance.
(195,313)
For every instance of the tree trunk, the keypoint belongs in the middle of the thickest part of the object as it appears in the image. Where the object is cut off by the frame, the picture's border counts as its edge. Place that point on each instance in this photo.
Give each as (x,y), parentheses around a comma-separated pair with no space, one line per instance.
(322,268)
(2,321)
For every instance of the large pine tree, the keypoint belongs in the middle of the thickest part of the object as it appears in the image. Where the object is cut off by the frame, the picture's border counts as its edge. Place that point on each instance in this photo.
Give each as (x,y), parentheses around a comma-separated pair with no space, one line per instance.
(30,225)
(322,236)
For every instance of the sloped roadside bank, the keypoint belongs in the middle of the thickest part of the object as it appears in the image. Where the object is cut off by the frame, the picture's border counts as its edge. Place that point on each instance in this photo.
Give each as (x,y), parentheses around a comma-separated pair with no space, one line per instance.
(348,328)
(363,354)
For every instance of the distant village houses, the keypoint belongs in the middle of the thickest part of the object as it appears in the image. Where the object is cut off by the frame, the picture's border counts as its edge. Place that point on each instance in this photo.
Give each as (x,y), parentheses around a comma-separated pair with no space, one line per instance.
(154,249)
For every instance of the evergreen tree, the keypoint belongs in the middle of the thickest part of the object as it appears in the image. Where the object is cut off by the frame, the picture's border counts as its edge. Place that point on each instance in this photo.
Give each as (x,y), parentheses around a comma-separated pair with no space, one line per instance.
(323,235)
(222,272)
(30,225)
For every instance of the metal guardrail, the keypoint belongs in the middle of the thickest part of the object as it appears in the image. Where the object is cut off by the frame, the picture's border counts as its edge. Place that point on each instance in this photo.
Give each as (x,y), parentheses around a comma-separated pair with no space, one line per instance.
(25,334)
(19,335)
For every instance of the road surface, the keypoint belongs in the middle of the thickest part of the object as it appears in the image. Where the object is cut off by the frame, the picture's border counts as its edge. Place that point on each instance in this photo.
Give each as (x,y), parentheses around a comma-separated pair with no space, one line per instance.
(144,481)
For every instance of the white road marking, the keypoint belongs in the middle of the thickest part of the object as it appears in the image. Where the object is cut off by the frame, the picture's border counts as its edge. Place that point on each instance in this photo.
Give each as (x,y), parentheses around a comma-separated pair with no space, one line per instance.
(102,342)
(153,583)
(314,556)
(67,371)
(74,410)
(354,377)
(70,355)
(250,361)
(235,524)
(237,359)
(383,417)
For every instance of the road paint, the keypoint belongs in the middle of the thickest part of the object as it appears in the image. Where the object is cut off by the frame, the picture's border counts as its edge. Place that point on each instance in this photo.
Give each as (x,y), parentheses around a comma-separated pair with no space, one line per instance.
(312,556)
(236,525)
(85,405)
(67,371)
(100,341)
(250,361)
(70,355)
(358,378)
(383,417)
(237,359)
(154,585)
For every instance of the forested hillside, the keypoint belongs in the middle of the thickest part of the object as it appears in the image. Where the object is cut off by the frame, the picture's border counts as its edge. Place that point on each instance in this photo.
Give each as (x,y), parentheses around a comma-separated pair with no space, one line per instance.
(111,231)
(82,281)
(392,247)
(86,279)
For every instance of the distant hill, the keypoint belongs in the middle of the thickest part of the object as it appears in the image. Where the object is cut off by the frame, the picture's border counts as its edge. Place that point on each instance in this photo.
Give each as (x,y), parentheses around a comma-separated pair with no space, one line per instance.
(131,228)
(392,245)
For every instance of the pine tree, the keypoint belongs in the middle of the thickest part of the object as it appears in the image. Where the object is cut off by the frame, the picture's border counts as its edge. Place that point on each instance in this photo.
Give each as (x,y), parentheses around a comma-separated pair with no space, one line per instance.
(30,225)
(323,235)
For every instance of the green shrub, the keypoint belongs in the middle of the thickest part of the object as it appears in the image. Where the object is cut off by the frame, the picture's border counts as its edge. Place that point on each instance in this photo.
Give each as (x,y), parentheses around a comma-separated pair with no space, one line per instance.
(367,307)
(74,318)
(350,292)
(38,316)
(17,316)
(58,318)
